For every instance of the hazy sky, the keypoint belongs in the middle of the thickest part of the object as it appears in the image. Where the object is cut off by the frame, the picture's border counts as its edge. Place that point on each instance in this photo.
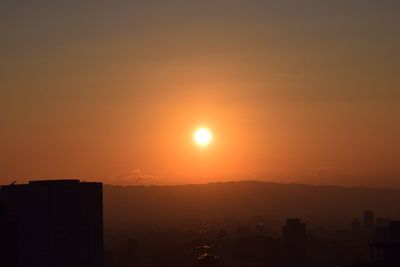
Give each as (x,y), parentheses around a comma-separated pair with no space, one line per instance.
(294,91)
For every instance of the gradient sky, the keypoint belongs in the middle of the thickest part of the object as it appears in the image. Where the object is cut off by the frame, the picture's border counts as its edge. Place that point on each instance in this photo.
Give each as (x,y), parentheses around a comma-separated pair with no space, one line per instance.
(294,91)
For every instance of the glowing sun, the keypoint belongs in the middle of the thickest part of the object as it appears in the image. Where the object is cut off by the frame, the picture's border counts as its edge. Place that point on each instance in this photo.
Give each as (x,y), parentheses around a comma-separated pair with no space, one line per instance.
(202,136)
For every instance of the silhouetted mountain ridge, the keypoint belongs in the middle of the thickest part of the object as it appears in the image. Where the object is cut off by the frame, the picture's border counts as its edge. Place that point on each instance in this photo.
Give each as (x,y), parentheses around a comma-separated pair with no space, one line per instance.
(243,200)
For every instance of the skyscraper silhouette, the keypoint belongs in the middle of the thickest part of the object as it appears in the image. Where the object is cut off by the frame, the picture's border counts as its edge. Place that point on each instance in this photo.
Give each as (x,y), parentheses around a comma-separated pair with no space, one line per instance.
(369,220)
(369,224)
(7,238)
(386,251)
(57,223)
(294,243)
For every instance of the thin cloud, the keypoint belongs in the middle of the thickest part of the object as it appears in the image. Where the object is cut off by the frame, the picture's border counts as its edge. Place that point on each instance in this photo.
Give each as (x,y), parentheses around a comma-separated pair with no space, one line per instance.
(135,177)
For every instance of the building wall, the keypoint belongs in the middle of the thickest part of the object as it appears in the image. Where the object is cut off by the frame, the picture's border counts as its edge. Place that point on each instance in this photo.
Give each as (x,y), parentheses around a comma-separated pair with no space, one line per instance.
(58,223)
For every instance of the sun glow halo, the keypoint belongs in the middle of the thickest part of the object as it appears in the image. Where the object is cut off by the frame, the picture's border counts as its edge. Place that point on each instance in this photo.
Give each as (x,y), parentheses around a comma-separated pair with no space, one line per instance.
(203,137)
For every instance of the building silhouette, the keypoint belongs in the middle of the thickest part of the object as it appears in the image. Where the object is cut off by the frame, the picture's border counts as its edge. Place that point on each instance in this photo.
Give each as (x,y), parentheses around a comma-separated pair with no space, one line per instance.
(57,223)
(386,252)
(294,243)
(369,221)
(382,229)
(385,248)
(7,238)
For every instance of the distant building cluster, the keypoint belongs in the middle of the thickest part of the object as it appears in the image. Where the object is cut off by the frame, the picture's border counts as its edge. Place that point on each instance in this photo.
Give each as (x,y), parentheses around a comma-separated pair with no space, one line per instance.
(366,242)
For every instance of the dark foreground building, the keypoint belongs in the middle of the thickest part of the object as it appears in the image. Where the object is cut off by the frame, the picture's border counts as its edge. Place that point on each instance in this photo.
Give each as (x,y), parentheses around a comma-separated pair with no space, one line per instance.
(55,223)
(295,243)
(385,250)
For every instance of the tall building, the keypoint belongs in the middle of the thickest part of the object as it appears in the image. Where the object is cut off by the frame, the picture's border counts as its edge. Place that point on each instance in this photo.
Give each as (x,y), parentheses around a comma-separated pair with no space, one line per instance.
(55,223)
(294,243)
(386,251)
(382,229)
(369,220)
(7,238)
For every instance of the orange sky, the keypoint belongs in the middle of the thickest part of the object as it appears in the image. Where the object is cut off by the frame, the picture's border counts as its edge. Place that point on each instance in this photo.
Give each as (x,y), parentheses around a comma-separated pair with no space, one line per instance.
(292,92)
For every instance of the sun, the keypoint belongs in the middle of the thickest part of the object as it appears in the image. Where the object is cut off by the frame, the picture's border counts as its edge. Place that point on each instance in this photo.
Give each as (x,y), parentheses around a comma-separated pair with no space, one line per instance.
(203,137)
